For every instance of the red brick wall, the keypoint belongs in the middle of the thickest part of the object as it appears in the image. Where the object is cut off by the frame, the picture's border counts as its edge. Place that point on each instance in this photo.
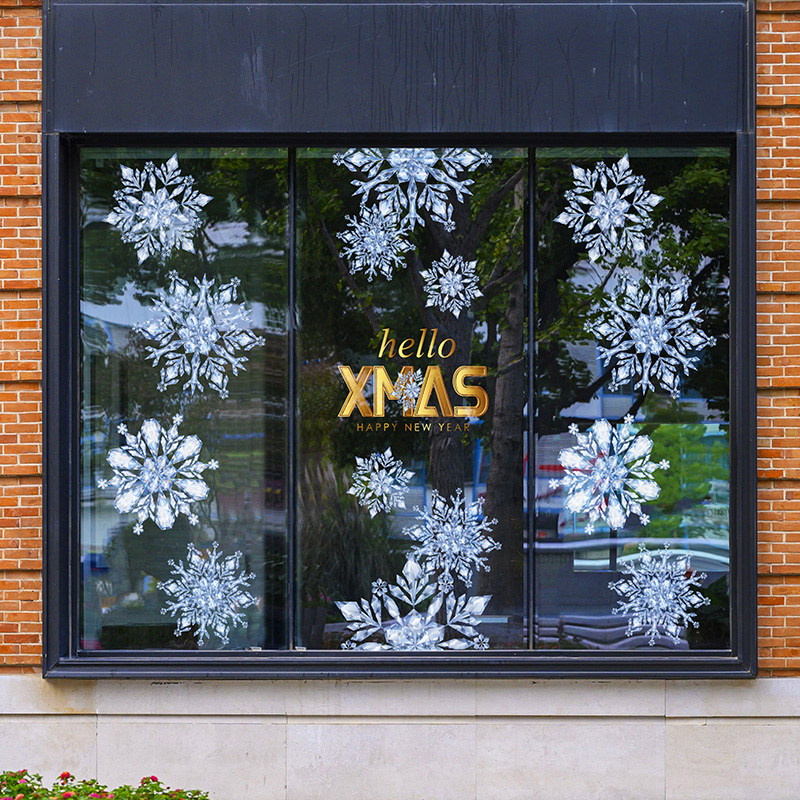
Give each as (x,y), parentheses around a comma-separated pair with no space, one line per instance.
(778,56)
(20,336)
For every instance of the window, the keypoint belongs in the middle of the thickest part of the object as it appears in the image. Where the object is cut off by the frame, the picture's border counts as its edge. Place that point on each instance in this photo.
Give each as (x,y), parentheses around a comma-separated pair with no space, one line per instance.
(409,409)
(414,341)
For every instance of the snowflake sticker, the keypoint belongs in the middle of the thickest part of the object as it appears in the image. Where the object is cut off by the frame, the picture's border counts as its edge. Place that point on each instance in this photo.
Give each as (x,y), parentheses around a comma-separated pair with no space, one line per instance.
(651,334)
(451,284)
(432,618)
(609,474)
(158,209)
(158,474)
(407,388)
(453,537)
(409,180)
(380,482)
(200,334)
(608,209)
(660,594)
(374,243)
(207,593)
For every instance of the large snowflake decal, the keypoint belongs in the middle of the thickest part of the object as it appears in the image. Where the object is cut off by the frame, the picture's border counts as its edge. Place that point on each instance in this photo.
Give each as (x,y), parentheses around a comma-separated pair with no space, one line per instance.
(158,474)
(158,209)
(609,209)
(380,482)
(433,616)
(208,593)
(199,334)
(659,592)
(453,538)
(407,388)
(451,283)
(609,474)
(650,334)
(409,180)
(374,243)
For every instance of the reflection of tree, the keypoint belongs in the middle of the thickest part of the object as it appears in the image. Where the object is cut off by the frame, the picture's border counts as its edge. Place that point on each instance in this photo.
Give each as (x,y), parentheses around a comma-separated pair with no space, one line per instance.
(488,229)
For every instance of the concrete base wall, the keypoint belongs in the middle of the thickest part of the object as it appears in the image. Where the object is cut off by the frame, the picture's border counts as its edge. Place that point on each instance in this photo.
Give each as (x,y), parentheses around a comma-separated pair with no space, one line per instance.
(398,740)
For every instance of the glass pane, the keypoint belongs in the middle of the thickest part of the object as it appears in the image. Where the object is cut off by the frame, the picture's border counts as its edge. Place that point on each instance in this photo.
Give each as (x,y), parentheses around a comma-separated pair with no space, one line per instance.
(412,395)
(632,421)
(184,352)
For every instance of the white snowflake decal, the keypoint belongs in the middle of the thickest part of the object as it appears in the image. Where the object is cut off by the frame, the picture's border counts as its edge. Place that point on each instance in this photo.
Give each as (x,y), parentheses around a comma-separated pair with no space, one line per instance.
(374,243)
(411,179)
(208,594)
(158,474)
(451,284)
(199,334)
(158,209)
(453,538)
(650,334)
(433,616)
(659,592)
(380,482)
(407,388)
(609,209)
(609,474)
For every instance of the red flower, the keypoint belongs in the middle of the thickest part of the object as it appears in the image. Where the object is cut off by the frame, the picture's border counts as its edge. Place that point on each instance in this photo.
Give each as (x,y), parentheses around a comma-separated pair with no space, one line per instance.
(64,776)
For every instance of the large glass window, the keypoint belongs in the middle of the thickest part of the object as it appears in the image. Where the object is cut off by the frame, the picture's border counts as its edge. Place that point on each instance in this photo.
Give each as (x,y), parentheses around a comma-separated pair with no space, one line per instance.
(392,399)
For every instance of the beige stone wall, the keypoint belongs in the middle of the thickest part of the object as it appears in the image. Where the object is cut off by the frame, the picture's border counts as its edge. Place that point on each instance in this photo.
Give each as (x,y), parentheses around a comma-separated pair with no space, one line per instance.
(404,740)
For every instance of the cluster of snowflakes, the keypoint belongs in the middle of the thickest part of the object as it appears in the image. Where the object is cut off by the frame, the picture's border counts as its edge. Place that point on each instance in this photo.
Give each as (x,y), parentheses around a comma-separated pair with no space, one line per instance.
(648,335)
(198,335)
(402,185)
(422,610)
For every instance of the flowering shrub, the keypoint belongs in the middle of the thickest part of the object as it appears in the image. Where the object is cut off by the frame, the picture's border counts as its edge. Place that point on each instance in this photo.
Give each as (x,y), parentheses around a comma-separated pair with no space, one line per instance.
(24,785)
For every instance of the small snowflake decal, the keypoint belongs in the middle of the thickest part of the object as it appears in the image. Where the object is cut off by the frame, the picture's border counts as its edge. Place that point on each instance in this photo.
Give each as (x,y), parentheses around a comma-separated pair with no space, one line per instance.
(374,243)
(380,482)
(453,537)
(407,388)
(207,593)
(451,284)
(609,474)
(609,209)
(199,334)
(650,334)
(429,624)
(409,180)
(659,592)
(158,209)
(158,474)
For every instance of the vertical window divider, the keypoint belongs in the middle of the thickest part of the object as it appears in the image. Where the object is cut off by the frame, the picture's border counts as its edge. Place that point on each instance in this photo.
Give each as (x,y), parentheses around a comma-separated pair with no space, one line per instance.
(530,561)
(291,427)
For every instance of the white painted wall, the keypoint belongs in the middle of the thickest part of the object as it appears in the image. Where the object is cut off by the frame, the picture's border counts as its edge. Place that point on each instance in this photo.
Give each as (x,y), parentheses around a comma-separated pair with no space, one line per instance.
(414,740)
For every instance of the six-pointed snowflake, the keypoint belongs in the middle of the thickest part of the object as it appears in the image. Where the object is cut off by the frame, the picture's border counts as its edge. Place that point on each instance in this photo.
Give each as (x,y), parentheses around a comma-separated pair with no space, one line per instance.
(199,333)
(453,537)
(609,209)
(411,179)
(407,388)
(158,209)
(380,482)
(208,594)
(659,592)
(609,474)
(451,284)
(374,243)
(158,474)
(650,333)
(432,616)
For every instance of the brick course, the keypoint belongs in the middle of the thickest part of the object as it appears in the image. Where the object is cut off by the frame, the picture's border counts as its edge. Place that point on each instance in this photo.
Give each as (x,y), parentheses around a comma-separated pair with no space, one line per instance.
(778,245)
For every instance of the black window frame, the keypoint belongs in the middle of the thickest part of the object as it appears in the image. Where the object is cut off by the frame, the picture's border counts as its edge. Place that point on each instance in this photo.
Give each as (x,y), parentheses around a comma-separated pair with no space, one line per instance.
(61,387)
